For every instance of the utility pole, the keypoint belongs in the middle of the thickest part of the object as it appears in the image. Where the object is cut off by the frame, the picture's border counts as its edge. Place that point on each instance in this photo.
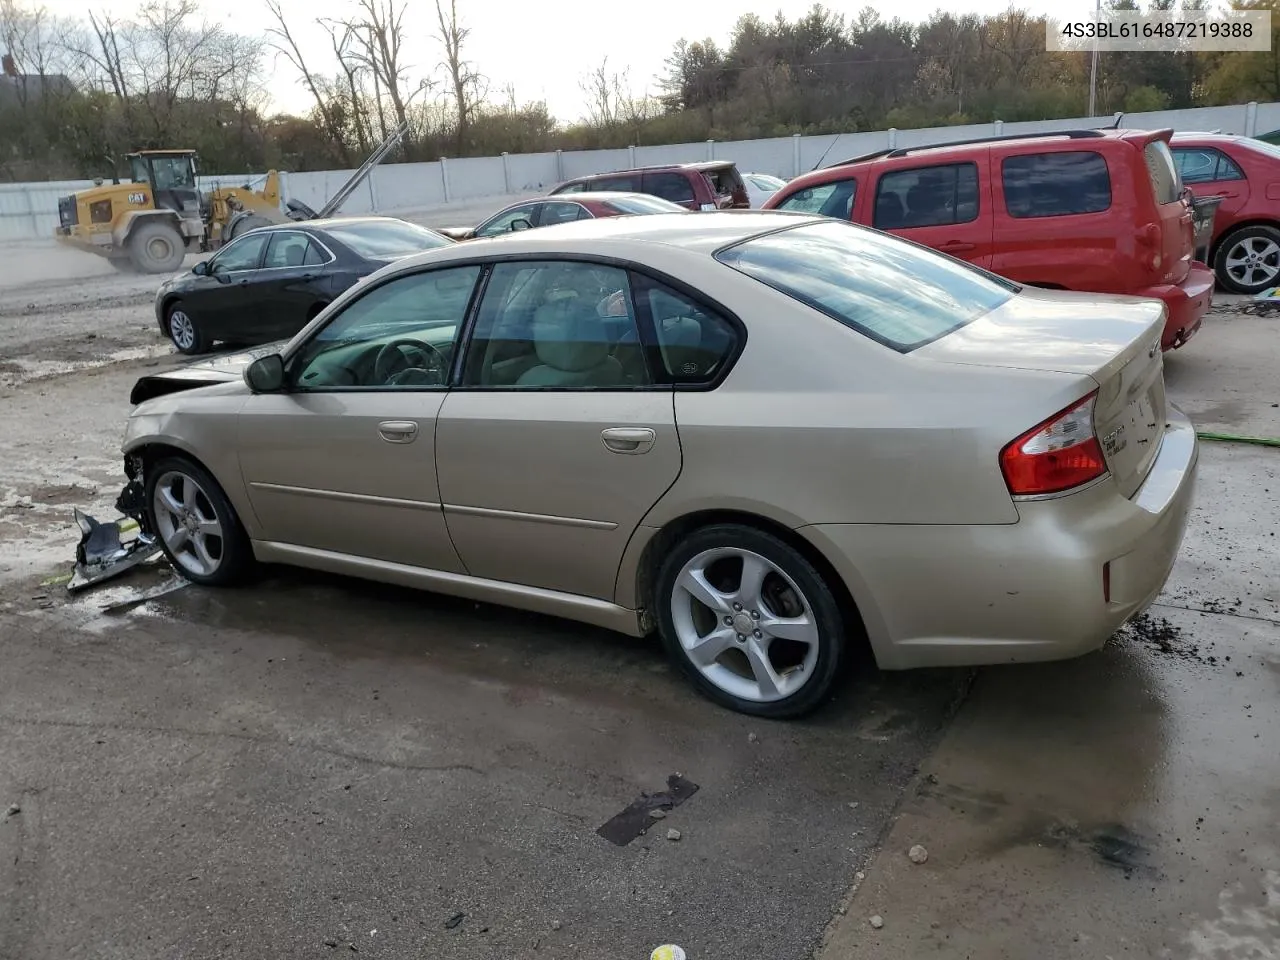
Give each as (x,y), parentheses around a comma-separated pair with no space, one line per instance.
(1093,70)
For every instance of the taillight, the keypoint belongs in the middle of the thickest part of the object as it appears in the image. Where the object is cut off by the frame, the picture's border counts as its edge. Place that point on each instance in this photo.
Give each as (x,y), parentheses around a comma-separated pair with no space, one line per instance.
(1057,455)
(1151,237)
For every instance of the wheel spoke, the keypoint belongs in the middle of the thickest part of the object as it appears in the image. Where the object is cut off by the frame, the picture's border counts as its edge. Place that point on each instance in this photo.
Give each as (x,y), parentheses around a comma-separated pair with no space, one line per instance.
(754,570)
(178,540)
(767,678)
(209,528)
(800,629)
(189,493)
(694,582)
(705,651)
(169,501)
(201,545)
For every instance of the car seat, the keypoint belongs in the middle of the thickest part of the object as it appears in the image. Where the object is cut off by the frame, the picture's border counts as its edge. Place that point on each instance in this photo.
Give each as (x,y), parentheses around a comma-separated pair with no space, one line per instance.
(570,349)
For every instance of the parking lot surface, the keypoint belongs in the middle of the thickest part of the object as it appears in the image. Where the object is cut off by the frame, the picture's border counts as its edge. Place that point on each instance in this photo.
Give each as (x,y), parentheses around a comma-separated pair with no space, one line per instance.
(312,765)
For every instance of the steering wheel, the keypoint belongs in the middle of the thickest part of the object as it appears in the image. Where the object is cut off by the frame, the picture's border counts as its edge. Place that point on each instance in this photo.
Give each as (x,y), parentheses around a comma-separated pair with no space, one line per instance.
(433,362)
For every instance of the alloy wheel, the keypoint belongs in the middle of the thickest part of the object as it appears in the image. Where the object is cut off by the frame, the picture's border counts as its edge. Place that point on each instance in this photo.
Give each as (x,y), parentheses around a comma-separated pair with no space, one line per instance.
(745,624)
(1254,261)
(188,524)
(182,330)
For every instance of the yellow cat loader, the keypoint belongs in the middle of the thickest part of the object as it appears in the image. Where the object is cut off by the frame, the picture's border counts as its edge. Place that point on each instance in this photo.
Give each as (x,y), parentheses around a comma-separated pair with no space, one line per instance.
(152,223)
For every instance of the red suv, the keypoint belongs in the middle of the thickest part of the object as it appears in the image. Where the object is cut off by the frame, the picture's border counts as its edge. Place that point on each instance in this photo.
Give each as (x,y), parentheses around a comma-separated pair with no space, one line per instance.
(1245,173)
(1091,210)
(714,185)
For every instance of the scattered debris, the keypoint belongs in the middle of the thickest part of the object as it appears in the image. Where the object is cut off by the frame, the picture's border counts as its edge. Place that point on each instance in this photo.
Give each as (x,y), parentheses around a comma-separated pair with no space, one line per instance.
(657,813)
(752,738)
(453,921)
(877,922)
(636,819)
(853,804)
(13,811)
(673,834)
(1161,636)
(102,554)
(556,924)
(918,854)
(668,951)
(331,943)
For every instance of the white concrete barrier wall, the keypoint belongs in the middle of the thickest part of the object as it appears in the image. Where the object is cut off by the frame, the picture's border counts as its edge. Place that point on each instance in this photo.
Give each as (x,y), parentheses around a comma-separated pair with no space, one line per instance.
(30,210)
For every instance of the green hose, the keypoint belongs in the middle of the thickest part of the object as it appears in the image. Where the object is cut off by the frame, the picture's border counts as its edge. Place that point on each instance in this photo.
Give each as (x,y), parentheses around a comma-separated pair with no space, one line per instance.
(1231,438)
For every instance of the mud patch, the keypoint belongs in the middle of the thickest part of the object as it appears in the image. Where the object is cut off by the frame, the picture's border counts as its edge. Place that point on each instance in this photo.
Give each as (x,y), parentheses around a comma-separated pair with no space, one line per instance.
(1160,636)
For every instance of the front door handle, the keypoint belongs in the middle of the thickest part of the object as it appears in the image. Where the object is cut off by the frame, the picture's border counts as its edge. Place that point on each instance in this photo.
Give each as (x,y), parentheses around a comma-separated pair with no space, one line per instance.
(398,431)
(628,439)
(956,245)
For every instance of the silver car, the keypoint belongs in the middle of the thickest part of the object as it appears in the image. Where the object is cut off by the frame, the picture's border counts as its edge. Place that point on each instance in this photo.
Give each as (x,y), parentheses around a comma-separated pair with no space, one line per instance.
(768,437)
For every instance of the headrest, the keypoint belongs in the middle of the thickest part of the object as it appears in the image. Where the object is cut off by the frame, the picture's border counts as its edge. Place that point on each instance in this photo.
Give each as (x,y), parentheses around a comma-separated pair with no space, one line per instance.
(567,335)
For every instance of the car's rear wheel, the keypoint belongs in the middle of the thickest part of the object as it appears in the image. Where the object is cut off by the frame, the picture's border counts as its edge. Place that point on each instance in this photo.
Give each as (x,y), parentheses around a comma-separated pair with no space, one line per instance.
(198,528)
(750,621)
(1248,261)
(184,330)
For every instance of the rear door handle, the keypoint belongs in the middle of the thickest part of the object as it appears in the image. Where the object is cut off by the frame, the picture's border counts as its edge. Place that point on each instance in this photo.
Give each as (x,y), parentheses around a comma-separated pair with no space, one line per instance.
(628,439)
(956,245)
(398,431)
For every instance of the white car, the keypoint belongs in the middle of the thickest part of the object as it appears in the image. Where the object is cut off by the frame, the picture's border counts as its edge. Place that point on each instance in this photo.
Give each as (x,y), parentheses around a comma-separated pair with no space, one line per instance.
(760,187)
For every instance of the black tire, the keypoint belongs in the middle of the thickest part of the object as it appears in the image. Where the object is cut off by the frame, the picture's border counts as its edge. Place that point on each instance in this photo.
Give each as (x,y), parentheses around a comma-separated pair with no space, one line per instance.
(157,248)
(235,555)
(832,643)
(1258,240)
(184,330)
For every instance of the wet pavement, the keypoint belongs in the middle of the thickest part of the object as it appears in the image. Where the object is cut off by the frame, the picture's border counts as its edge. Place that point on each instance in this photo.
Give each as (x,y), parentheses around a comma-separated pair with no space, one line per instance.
(312,764)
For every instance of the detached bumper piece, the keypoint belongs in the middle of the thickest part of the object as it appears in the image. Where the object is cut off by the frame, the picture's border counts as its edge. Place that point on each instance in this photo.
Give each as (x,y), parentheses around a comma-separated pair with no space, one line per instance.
(102,553)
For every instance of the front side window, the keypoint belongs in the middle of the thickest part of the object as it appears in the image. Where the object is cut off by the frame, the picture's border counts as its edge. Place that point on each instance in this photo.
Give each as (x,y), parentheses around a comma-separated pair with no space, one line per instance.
(502,223)
(927,197)
(553,213)
(1056,184)
(1204,165)
(897,293)
(243,253)
(138,170)
(669,186)
(833,199)
(555,325)
(399,334)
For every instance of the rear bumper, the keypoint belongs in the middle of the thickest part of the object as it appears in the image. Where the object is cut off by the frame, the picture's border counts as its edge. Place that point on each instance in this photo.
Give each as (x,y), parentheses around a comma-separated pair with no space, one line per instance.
(1032,590)
(1187,302)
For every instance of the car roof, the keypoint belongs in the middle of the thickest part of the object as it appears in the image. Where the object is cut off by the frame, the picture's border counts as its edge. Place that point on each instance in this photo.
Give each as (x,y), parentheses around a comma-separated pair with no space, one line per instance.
(1191,136)
(623,237)
(330,222)
(698,165)
(601,195)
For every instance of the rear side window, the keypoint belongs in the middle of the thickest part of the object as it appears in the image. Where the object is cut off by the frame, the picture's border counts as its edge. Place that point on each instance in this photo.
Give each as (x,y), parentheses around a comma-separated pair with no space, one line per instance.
(927,197)
(833,199)
(1204,165)
(669,186)
(1164,172)
(571,188)
(1056,184)
(898,293)
(623,183)
(725,180)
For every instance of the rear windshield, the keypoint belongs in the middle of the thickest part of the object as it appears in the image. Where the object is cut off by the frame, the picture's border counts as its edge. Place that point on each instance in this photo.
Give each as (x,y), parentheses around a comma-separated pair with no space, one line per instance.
(725,180)
(391,239)
(1164,172)
(894,291)
(639,204)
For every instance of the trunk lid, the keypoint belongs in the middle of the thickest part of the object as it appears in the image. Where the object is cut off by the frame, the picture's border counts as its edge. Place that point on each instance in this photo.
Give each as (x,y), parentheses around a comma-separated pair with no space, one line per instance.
(1167,242)
(1114,340)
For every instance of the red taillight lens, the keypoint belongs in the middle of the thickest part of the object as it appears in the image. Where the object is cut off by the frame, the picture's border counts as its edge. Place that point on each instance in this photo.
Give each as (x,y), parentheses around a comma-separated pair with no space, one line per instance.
(1061,453)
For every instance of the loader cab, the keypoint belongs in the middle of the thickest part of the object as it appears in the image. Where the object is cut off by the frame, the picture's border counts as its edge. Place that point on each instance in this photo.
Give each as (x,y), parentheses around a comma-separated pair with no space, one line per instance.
(172,177)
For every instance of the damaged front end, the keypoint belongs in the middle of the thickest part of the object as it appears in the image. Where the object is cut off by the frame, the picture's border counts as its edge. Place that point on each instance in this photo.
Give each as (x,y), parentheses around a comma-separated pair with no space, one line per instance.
(103,552)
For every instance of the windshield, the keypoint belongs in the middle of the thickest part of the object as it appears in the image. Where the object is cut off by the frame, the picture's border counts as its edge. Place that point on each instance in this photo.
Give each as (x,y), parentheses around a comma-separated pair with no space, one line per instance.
(894,291)
(640,204)
(394,238)
(766,182)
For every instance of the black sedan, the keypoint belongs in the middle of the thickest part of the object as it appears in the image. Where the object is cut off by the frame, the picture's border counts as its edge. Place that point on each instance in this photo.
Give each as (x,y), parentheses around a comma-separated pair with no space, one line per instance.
(267,284)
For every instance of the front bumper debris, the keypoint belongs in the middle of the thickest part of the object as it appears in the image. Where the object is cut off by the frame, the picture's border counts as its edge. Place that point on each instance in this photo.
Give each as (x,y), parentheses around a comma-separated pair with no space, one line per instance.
(102,552)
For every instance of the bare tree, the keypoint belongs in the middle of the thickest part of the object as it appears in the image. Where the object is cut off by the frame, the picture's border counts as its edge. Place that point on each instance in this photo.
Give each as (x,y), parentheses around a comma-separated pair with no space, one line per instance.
(600,89)
(282,39)
(379,36)
(467,85)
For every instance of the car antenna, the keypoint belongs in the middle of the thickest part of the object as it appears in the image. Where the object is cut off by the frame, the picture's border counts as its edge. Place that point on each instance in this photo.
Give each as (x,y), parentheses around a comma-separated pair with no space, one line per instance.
(825,152)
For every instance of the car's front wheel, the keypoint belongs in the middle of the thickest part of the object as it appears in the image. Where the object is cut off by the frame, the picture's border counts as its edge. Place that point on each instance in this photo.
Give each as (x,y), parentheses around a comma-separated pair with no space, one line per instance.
(198,528)
(1248,261)
(184,330)
(750,621)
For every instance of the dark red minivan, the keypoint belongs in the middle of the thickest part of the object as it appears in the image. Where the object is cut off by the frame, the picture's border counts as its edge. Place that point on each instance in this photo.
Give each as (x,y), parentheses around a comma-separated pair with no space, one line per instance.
(1091,210)
(712,185)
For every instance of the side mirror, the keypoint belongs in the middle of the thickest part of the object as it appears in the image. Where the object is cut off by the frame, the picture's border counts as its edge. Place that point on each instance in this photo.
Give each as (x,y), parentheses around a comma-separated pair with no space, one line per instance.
(266,374)
(201,269)
(521,224)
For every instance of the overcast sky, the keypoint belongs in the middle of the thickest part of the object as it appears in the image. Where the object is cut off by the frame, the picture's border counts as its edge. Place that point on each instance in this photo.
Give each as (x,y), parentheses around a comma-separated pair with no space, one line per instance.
(544,49)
